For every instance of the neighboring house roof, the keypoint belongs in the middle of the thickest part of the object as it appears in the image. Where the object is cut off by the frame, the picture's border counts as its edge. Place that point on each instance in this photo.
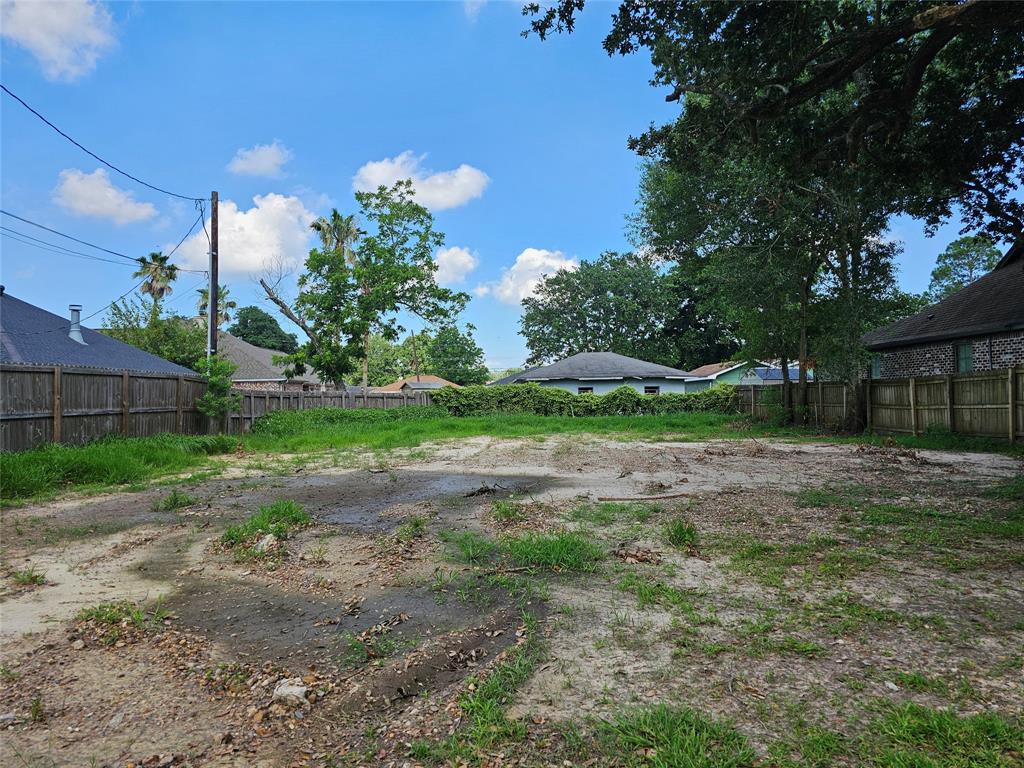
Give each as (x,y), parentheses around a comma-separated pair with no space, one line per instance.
(714,370)
(395,386)
(511,378)
(31,335)
(423,385)
(255,363)
(991,304)
(774,373)
(597,366)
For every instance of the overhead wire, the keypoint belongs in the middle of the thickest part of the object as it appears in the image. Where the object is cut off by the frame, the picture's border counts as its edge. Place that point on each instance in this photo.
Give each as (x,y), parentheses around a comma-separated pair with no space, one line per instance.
(92,154)
(63,327)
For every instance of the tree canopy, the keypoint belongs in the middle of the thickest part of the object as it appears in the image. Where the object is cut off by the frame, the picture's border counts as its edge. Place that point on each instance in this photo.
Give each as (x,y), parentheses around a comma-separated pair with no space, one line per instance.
(258,327)
(964,261)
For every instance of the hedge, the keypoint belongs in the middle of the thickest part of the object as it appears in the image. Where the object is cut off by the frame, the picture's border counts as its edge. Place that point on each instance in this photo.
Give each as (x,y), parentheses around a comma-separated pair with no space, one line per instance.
(551,401)
(281,423)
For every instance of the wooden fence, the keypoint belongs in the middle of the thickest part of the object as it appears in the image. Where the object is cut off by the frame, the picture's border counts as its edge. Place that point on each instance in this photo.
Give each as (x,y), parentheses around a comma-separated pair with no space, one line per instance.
(50,404)
(256,403)
(985,404)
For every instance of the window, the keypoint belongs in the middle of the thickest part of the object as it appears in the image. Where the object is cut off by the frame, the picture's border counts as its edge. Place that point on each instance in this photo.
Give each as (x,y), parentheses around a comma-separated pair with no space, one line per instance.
(876,366)
(584,390)
(652,390)
(964,358)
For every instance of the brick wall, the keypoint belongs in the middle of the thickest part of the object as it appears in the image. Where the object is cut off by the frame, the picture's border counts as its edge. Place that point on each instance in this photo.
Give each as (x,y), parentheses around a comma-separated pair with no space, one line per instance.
(988,353)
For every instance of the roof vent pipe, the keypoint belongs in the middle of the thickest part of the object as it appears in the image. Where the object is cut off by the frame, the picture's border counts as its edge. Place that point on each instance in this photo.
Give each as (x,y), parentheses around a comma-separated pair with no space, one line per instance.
(75,332)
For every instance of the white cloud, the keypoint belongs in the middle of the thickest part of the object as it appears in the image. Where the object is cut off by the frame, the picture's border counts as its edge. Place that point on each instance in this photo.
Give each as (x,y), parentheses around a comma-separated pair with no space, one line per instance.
(453,264)
(92,194)
(275,229)
(261,160)
(67,38)
(472,8)
(437,191)
(520,280)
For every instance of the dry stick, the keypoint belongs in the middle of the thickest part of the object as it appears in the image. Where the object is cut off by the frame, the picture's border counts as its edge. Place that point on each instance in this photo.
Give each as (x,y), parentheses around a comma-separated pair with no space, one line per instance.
(642,498)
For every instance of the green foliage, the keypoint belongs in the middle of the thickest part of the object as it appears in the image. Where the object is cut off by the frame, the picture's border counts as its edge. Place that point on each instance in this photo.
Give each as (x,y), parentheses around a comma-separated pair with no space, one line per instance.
(662,736)
(282,423)
(469,547)
(279,518)
(218,400)
(561,551)
(173,337)
(29,577)
(551,401)
(1011,490)
(257,327)
(455,356)
(174,500)
(964,261)
(225,306)
(680,533)
(109,461)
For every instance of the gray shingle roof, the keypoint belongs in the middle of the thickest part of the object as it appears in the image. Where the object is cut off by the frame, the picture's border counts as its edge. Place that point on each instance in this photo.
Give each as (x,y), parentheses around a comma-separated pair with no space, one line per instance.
(596,366)
(255,363)
(31,335)
(991,304)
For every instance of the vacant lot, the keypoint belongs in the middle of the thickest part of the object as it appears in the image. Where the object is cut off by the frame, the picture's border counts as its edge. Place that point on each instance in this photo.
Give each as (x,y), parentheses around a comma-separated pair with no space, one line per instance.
(527,601)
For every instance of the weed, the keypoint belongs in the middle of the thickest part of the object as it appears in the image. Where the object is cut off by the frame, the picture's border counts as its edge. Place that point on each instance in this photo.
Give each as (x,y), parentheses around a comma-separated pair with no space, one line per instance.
(413,527)
(560,551)
(469,547)
(279,519)
(916,681)
(29,576)
(649,593)
(174,500)
(507,511)
(317,555)
(1009,490)
(113,614)
(36,710)
(681,534)
(7,674)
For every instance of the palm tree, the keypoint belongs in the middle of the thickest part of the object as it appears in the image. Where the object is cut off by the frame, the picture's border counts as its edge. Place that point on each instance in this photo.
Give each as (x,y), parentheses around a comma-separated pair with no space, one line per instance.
(224,305)
(158,275)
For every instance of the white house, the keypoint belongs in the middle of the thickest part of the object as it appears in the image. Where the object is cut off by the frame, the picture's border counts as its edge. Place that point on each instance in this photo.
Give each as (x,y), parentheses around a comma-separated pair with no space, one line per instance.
(601,372)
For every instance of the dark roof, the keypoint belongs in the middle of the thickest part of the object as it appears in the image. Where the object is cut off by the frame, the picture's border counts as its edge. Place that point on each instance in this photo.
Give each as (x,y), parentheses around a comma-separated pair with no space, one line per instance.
(597,366)
(31,335)
(991,304)
(511,378)
(425,385)
(774,373)
(256,363)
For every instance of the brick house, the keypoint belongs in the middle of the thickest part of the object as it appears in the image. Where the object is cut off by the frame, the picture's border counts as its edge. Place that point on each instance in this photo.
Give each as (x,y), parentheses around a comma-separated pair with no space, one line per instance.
(978,328)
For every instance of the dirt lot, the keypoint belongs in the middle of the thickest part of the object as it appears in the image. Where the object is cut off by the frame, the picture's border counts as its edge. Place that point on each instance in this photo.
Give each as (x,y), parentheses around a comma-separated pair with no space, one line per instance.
(802,588)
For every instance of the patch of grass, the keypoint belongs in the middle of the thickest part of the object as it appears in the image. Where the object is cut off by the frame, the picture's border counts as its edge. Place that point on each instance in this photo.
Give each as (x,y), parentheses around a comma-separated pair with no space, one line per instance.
(560,551)
(108,462)
(279,519)
(681,533)
(672,737)
(650,593)
(912,736)
(36,710)
(27,577)
(1009,490)
(921,683)
(507,511)
(413,527)
(7,674)
(174,500)
(609,512)
(469,547)
(356,651)
(114,614)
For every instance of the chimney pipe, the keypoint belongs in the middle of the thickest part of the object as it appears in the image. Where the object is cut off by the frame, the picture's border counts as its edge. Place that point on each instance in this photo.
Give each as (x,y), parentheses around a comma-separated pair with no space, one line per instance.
(75,332)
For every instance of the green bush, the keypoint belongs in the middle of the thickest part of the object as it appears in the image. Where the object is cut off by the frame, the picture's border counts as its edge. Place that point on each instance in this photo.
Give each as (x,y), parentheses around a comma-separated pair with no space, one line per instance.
(551,401)
(283,423)
(279,519)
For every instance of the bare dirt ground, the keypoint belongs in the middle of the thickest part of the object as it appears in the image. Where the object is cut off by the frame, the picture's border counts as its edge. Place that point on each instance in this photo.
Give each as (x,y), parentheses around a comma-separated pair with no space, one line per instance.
(821,580)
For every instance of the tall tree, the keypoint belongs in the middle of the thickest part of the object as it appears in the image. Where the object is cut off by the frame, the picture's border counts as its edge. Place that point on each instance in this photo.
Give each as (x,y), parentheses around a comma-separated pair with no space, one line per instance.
(172,337)
(964,261)
(257,327)
(224,305)
(346,296)
(157,273)
(455,356)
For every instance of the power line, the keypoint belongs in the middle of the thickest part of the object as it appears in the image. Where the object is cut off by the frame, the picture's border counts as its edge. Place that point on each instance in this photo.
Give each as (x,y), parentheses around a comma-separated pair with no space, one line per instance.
(43,245)
(195,223)
(93,154)
(63,328)
(133,259)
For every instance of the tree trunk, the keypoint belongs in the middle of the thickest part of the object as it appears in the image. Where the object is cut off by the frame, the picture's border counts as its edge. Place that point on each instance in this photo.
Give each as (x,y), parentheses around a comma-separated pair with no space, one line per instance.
(415,358)
(802,353)
(787,400)
(366,360)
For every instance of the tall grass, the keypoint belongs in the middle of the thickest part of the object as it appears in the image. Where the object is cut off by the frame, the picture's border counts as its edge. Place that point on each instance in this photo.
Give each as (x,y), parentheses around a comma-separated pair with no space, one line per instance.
(108,462)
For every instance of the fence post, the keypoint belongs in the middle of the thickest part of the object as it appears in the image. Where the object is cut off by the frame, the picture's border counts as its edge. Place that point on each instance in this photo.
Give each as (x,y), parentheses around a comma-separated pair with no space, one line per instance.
(867,403)
(1011,395)
(913,406)
(126,389)
(58,403)
(819,411)
(752,400)
(949,401)
(179,398)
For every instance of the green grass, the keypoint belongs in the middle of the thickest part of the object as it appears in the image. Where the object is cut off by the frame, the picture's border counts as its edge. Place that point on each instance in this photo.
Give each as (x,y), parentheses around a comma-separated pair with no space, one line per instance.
(609,512)
(27,577)
(413,527)
(108,462)
(649,592)
(113,614)
(279,519)
(1010,490)
(559,551)
(468,547)
(681,534)
(507,511)
(174,500)
(921,683)
(662,736)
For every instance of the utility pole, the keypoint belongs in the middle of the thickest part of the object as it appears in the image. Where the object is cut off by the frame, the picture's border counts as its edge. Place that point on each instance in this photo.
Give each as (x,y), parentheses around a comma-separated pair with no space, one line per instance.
(212,308)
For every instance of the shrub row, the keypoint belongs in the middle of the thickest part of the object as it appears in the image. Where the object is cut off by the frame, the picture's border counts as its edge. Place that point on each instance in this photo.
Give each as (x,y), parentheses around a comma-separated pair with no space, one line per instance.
(282,423)
(550,401)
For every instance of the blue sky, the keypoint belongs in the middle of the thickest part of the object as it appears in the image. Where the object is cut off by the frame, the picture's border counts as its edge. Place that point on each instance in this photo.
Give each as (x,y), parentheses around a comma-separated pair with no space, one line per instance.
(518,146)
